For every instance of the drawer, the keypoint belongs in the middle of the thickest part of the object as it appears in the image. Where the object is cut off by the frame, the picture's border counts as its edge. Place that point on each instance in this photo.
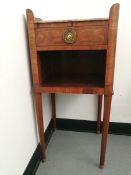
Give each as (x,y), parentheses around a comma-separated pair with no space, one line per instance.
(81,36)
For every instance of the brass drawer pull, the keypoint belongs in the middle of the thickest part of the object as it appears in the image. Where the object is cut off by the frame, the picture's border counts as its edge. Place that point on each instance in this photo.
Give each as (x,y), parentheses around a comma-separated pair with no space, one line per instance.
(70,36)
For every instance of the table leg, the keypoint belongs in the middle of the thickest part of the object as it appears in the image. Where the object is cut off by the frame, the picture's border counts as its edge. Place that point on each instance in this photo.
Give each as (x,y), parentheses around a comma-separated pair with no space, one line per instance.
(38,101)
(53,109)
(105,127)
(99,114)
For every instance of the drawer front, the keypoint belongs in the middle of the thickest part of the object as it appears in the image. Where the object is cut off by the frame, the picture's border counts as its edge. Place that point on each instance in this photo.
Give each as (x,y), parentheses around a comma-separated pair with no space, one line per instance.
(49,36)
(92,36)
(83,36)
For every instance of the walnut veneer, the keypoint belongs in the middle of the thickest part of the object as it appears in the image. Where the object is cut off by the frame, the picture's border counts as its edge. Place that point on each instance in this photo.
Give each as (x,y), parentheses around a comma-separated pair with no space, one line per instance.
(73,56)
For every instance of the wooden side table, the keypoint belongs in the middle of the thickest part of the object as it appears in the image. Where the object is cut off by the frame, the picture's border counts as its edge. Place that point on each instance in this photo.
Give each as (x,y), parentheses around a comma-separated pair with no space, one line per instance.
(75,56)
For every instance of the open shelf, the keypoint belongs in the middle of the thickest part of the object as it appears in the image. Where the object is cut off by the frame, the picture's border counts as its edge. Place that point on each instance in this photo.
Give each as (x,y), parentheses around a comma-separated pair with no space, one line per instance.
(73,80)
(73,68)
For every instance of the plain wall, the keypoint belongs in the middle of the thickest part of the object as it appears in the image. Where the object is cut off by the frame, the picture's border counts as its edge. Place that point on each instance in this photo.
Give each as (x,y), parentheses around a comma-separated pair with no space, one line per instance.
(18,131)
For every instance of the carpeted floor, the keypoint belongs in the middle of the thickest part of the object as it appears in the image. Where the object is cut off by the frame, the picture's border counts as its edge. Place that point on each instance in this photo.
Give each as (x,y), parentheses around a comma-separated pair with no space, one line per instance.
(77,153)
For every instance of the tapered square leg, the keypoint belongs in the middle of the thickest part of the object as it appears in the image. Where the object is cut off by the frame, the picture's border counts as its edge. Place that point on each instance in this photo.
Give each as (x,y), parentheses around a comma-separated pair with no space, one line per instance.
(53,104)
(105,127)
(99,114)
(38,101)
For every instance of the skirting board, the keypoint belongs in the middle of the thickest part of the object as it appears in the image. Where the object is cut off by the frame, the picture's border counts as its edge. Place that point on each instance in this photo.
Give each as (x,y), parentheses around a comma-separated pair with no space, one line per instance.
(90,126)
(36,158)
(73,125)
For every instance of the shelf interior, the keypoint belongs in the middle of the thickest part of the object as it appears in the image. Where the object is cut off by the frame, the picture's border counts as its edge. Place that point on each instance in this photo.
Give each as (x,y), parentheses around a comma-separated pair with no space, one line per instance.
(73,68)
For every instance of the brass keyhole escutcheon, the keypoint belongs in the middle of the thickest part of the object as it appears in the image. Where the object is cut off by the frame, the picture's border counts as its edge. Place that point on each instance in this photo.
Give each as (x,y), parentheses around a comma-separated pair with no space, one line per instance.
(70,36)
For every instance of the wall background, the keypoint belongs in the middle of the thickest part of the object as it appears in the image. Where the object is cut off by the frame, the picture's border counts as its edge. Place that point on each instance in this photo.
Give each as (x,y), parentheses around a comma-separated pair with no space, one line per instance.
(18,131)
